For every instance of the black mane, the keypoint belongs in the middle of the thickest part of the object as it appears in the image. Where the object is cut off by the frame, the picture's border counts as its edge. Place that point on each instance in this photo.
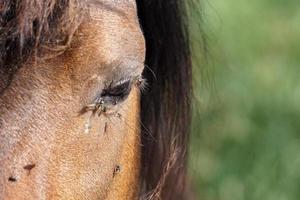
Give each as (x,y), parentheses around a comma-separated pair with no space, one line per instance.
(166,106)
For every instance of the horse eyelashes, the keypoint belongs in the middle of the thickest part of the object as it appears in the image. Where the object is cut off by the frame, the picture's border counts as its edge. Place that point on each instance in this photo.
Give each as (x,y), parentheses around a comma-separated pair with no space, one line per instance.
(141,83)
(119,91)
(114,93)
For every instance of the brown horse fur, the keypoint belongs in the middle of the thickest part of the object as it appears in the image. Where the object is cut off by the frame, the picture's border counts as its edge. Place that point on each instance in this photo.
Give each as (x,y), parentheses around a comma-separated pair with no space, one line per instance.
(55,56)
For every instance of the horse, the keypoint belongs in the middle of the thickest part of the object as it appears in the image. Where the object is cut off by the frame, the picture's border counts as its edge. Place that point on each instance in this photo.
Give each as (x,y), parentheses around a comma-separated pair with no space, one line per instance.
(95,99)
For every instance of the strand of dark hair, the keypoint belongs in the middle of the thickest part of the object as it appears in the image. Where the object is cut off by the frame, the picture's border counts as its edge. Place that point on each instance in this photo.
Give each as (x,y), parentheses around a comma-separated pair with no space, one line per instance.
(166,106)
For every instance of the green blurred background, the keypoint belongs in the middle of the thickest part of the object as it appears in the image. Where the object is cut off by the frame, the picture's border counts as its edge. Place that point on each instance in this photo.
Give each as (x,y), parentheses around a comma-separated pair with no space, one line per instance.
(245,142)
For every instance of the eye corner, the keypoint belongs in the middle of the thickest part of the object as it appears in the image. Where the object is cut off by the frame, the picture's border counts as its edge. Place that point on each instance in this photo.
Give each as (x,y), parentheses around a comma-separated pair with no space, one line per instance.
(141,83)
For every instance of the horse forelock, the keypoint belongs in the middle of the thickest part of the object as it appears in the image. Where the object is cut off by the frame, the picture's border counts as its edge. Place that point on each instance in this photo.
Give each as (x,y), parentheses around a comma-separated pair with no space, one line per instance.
(36,27)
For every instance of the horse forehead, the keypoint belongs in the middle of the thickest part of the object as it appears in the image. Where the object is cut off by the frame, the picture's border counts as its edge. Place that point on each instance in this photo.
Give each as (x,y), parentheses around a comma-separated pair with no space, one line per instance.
(114,10)
(115,3)
(120,7)
(111,33)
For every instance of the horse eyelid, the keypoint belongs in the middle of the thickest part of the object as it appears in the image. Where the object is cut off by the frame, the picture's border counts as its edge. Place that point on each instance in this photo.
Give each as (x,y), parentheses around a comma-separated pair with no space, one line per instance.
(119,89)
(138,81)
(109,97)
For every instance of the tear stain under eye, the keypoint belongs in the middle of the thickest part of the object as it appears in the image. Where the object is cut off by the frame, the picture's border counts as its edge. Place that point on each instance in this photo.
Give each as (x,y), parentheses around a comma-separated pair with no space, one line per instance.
(87,125)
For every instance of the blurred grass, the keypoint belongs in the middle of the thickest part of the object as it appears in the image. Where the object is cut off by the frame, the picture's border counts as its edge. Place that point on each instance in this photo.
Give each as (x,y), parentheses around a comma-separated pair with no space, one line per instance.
(245,142)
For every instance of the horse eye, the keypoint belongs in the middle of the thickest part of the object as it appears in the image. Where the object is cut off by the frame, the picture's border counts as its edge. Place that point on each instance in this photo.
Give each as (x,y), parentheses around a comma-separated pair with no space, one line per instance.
(117,92)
